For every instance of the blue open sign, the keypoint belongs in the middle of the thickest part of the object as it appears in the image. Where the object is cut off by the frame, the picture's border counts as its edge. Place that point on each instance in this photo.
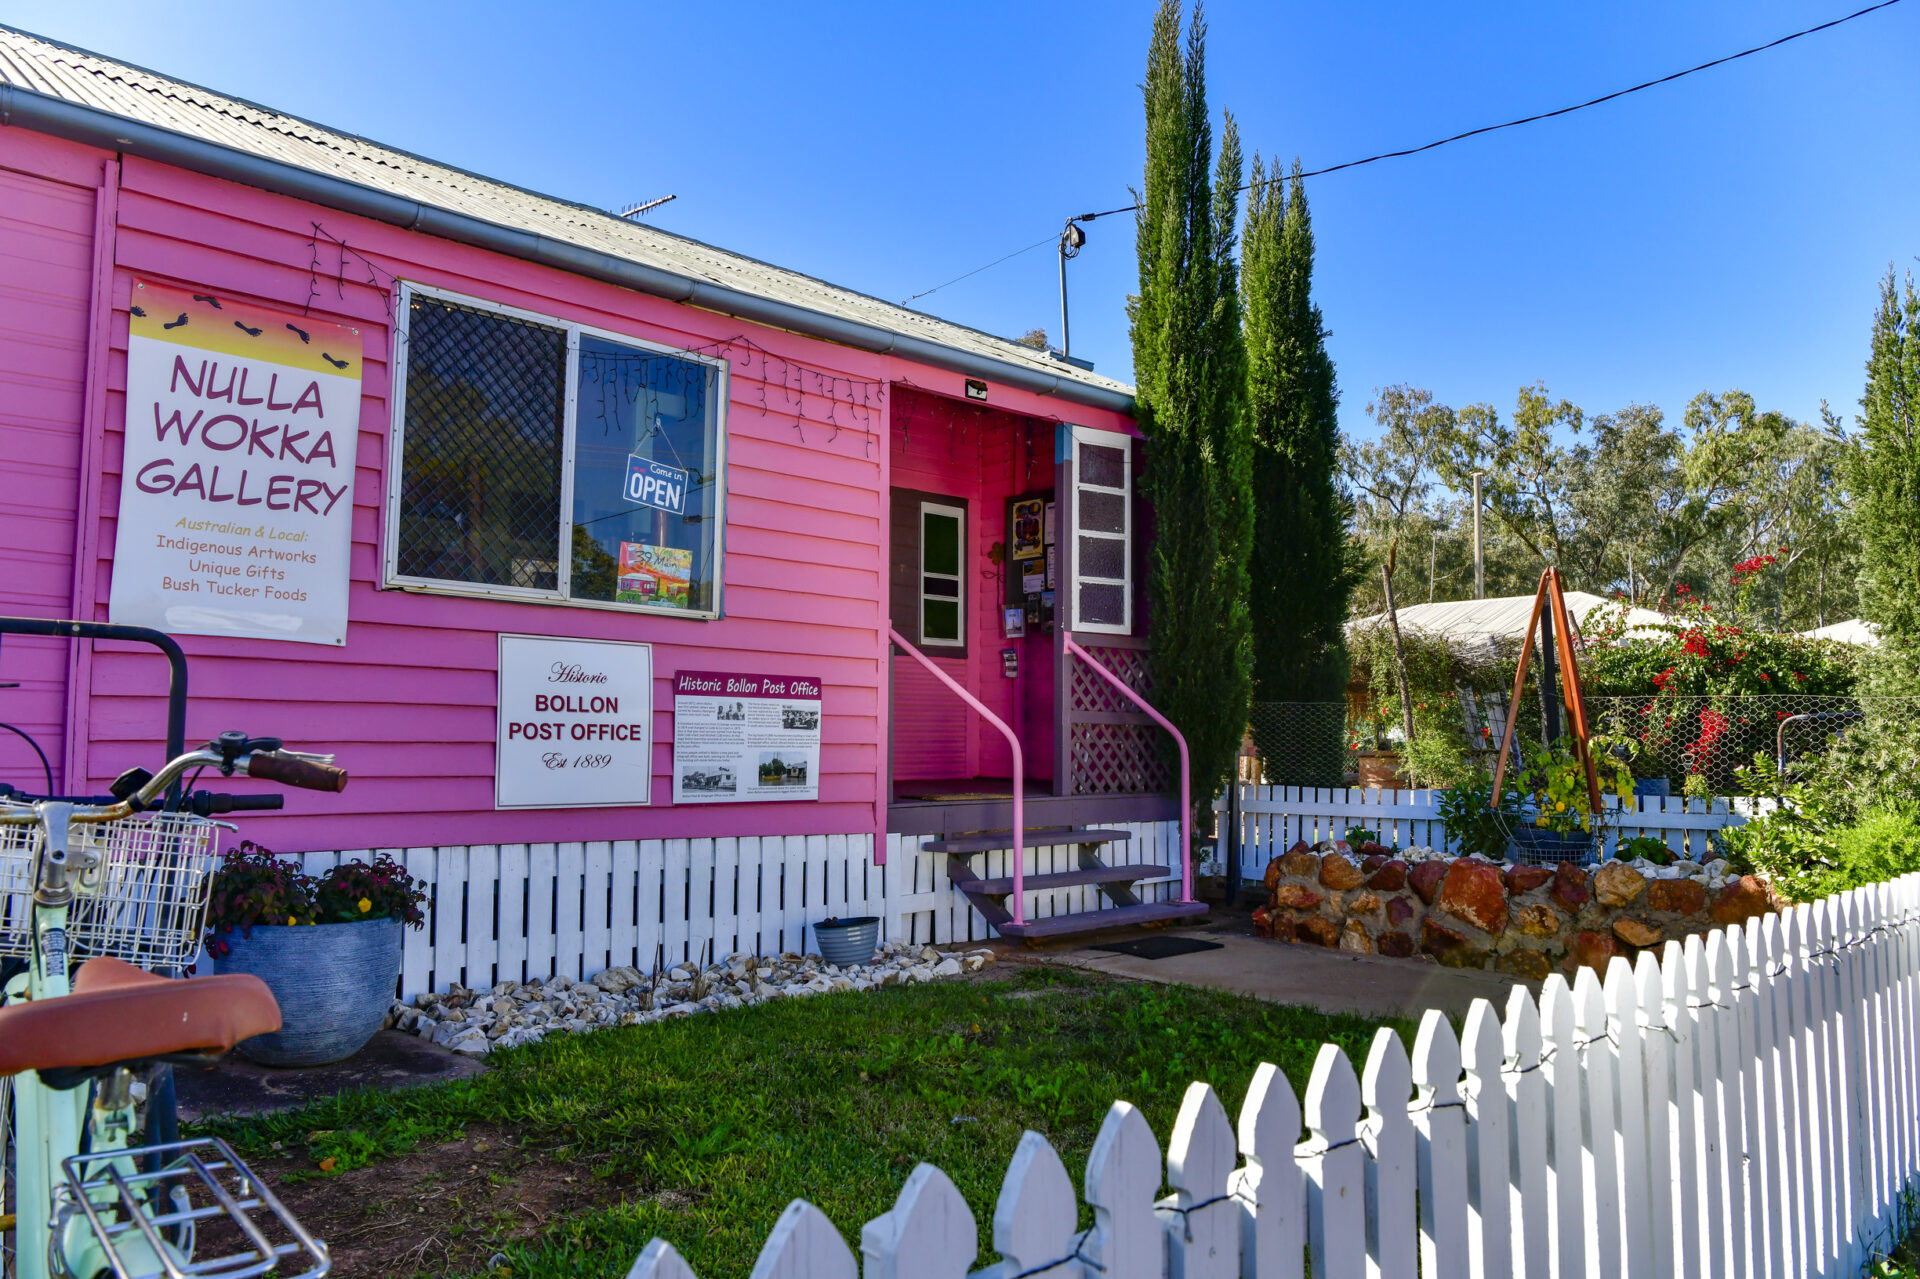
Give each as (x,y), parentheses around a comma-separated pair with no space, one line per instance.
(656,484)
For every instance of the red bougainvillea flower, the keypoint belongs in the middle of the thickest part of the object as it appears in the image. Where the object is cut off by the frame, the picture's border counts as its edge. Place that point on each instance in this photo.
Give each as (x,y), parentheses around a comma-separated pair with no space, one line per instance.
(1682,588)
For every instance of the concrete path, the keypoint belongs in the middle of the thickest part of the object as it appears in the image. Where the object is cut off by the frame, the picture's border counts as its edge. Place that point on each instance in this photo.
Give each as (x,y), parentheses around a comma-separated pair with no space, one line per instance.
(1329,980)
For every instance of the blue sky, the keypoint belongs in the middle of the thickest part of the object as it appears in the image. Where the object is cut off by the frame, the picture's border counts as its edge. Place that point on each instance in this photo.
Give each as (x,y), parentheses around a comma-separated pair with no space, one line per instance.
(1725,231)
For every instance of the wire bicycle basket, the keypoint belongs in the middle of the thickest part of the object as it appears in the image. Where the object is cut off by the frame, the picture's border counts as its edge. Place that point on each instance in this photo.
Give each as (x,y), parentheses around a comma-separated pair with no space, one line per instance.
(144,901)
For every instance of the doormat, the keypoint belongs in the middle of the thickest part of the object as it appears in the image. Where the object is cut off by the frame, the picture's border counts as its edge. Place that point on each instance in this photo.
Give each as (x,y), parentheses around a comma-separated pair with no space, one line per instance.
(1159,947)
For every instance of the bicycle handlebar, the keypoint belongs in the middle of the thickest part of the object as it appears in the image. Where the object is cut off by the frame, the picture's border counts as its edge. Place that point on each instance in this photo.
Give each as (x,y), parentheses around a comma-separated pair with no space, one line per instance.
(253,757)
(292,770)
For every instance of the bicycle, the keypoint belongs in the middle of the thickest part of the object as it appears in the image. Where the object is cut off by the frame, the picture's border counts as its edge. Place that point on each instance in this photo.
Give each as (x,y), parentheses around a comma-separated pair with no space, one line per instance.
(117,884)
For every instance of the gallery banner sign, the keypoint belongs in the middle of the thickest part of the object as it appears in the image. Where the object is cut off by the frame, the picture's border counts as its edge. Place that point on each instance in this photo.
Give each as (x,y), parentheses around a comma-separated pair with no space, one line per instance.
(236,494)
(740,737)
(575,723)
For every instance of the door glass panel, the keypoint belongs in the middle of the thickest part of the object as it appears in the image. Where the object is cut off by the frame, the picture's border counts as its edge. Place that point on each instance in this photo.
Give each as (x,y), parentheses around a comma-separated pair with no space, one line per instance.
(1103,512)
(1103,557)
(1102,604)
(940,545)
(941,621)
(1106,467)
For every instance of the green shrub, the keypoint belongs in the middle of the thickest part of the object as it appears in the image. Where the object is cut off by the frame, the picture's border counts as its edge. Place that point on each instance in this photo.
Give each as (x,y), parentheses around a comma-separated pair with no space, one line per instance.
(1473,824)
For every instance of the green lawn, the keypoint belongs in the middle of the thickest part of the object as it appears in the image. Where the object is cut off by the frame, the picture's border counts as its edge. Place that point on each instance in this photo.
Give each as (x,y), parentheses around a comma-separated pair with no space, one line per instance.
(701,1130)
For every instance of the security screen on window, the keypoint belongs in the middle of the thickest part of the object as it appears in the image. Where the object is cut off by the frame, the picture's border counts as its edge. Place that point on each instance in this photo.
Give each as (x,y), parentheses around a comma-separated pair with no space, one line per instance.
(541,460)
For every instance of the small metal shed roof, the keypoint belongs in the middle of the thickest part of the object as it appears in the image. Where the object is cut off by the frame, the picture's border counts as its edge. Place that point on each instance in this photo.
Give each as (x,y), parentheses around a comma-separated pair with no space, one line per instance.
(83,96)
(1470,622)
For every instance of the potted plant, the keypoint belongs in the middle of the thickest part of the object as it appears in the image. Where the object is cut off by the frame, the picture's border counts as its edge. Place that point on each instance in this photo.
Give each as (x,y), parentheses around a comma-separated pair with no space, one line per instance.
(327,945)
(848,941)
(1557,822)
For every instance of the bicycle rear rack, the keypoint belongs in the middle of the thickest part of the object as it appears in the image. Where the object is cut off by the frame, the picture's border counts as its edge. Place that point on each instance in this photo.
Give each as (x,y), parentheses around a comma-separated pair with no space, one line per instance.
(201,1180)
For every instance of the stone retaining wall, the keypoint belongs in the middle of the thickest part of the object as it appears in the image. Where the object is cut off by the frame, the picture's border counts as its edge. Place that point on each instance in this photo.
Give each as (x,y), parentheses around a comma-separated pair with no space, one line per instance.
(1468,912)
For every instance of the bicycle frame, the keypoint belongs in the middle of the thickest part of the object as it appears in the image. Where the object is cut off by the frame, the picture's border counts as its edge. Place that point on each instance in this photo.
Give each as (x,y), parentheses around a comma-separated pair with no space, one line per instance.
(48,1124)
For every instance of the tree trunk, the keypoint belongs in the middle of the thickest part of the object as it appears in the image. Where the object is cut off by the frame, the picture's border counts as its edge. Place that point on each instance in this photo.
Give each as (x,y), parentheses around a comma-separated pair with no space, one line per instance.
(1399,652)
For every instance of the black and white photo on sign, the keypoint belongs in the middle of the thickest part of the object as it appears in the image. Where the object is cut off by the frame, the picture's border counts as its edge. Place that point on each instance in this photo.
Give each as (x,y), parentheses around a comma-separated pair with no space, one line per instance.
(806,721)
(711,778)
(731,711)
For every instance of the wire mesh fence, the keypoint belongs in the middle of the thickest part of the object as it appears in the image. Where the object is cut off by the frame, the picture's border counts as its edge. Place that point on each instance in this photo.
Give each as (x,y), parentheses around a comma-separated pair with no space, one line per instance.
(1694,744)
(1300,744)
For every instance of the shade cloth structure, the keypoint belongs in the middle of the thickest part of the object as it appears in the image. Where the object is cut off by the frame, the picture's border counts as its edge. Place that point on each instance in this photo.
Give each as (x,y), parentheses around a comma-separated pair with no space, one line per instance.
(1851,631)
(1495,622)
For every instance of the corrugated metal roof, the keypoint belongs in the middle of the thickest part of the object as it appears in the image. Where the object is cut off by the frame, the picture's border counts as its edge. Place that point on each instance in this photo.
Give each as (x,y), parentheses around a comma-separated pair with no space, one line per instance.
(42,66)
(1474,622)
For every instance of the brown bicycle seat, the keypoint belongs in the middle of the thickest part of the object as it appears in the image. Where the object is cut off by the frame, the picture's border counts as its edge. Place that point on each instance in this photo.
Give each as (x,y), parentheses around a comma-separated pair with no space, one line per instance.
(118,1012)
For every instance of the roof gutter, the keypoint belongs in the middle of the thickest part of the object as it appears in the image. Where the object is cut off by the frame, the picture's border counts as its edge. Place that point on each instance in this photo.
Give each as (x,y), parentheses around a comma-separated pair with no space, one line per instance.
(104,129)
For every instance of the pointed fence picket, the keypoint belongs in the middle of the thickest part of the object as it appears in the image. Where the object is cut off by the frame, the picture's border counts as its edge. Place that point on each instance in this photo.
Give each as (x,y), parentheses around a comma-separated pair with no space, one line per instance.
(1636,1125)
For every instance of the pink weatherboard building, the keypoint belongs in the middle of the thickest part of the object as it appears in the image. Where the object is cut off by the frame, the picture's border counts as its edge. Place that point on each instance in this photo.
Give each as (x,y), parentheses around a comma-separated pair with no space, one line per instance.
(621,571)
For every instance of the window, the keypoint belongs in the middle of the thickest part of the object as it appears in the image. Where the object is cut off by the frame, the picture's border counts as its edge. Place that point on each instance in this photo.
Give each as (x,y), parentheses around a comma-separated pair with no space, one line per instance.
(943,605)
(1103,531)
(534,459)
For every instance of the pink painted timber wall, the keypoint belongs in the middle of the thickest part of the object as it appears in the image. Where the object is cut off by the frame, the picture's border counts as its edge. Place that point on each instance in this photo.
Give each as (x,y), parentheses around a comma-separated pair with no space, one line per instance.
(408,703)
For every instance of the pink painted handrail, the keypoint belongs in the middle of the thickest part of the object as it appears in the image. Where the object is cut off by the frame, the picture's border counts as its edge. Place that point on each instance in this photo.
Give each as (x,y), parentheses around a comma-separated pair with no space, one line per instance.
(1019,767)
(1186,807)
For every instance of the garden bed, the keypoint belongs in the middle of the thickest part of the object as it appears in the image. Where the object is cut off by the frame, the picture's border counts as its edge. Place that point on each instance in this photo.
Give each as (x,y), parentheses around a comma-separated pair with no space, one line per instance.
(701,1129)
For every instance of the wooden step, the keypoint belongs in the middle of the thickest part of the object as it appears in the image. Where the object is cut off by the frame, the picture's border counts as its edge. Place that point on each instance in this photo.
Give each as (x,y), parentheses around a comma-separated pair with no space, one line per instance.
(1003,886)
(995,841)
(1095,920)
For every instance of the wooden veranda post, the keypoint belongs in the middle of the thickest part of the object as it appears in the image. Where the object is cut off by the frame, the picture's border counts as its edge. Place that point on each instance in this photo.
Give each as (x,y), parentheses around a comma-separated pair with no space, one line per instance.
(1551,596)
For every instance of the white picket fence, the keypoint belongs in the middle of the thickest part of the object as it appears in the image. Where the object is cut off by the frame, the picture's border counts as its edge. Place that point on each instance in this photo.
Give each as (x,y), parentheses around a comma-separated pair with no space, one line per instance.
(1272,818)
(1745,1107)
(510,912)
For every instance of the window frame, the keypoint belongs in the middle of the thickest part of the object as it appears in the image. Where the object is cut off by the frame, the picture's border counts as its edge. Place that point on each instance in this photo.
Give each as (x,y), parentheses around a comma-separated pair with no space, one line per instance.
(1124,443)
(392,579)
(959,597)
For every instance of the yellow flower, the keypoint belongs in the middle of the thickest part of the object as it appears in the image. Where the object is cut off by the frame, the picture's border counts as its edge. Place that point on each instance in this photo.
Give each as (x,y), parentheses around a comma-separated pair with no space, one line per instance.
(1560,806)
(365,905)
(291,921)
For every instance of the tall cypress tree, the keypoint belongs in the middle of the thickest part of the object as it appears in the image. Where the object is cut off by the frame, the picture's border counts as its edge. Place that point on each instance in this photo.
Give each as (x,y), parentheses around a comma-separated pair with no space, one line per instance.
(1887,488)
(1300,582)
(1189,370)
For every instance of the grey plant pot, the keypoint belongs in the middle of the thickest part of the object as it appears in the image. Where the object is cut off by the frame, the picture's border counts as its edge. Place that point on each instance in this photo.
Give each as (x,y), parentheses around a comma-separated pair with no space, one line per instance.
(334,984)
(850,941)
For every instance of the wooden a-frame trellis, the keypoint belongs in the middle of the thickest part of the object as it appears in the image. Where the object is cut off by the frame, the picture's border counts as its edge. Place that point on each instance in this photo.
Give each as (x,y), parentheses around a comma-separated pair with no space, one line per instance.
(1551,595)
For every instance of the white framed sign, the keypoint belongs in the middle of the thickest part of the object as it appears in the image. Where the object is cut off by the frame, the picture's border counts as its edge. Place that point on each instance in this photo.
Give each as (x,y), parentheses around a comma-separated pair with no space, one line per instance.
(236,494)
(575,723)
(739,738)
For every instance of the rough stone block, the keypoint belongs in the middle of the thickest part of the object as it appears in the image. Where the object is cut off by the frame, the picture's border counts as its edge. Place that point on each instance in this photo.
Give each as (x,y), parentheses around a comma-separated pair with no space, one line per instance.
(1400,911)
(1681,896)
(1389,876)
(1372,862)
(1363,903)
(1298,860)
(1395,944)
(1742,899)
(1524,879)
(1636,932)
(1570,890)
(1426,878)
(1536,920)
(1273,874)
(1450,946)
(1284,928)
(1530,964)
(1340,874)
(1617,884)
(1296,897)
(1263,921)
(1354,938)
(1473,891)
(1321,932)
(1592,950)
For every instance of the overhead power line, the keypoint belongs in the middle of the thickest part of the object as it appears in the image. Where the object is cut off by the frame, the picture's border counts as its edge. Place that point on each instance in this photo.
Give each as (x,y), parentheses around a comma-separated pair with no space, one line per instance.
(1473,133)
